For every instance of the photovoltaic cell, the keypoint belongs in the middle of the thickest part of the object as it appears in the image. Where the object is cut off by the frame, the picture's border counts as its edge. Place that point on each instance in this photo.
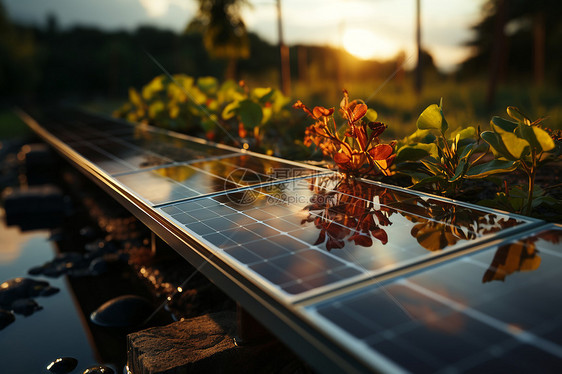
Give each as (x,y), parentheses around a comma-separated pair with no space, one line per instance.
(496,309)
(311,233)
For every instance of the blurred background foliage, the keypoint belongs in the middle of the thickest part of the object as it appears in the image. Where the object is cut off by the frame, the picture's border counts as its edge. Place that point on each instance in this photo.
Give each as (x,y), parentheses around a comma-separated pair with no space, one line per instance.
(96,68)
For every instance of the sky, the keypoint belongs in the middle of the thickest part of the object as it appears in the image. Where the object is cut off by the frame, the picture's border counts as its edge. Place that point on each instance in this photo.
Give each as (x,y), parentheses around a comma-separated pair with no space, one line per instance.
(383,27)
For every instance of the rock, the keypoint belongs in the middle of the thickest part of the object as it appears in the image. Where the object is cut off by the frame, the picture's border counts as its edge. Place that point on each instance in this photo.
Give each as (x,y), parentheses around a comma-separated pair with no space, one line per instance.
(54,270)
(34,207)
(49,291)
(62,365)
(6,317)
(122,311)
(99,370)
(63,263)
(36,270)
(20,288)
(25,307)
(98,266)
(205,344)
(63,258)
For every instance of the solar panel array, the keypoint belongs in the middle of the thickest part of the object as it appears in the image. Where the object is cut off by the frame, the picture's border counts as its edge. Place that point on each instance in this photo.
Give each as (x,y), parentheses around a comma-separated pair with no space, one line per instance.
(396,279)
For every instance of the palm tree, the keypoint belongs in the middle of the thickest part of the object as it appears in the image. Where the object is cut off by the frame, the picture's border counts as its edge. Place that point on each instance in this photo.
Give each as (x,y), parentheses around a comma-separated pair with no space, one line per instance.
(224,31)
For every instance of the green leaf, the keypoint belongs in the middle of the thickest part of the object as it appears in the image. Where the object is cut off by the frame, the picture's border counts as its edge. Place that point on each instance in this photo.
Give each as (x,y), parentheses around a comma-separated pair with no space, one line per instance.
(497,142)
(515,145)
(491,167)
(415,152)
(459,171)
(433,168)
(467,133)
(263,94)
(432,119)
(537,137)
(229,111)
(432,179)
(209,85)
(420,136)
(502,125)
(516,114)
(372,115)
(250,114)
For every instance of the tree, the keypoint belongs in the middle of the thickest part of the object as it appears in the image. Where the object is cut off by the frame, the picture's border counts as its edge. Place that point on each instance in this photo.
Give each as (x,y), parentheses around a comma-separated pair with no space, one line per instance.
(518,41)
(224,32)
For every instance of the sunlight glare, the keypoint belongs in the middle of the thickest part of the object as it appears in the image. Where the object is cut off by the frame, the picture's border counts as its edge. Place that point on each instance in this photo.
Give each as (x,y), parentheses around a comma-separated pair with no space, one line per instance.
(365,44)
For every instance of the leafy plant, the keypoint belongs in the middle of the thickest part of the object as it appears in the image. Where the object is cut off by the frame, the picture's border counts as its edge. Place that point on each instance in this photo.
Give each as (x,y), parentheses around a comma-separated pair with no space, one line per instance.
(204,105)
(355,147)
(430,157)
(527,146)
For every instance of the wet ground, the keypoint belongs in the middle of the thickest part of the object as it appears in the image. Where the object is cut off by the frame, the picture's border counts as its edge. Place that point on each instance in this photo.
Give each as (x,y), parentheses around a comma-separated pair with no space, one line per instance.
(92,252)
(30,343)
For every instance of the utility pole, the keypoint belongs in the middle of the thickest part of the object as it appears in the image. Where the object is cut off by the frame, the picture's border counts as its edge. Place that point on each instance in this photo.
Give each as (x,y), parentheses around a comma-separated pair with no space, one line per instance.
(419,67)
(498,53)
(285,76)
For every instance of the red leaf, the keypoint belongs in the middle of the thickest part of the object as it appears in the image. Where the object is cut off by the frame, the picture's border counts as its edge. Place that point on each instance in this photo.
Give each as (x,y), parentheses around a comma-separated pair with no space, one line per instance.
(377,128)
(362,240)
(381,235)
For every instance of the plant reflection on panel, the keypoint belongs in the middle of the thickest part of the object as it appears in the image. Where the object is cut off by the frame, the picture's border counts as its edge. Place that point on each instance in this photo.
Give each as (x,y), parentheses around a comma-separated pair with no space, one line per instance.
(518,256)
(359,212)
(348,211)
(439,224)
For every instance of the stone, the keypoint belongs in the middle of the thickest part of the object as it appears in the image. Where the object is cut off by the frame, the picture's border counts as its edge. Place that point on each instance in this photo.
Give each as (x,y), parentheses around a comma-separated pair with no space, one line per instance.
(34,207)
(205,344)
(122,311)
(6,318)
(20,288)
(99,370)
(62,365)
(25,307)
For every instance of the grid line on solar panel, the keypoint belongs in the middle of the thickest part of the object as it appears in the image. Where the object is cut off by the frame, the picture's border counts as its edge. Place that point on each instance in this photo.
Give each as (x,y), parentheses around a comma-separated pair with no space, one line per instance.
(454,329)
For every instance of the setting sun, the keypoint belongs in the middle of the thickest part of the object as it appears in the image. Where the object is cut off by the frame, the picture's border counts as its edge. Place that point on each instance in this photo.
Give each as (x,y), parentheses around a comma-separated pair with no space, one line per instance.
(366,45)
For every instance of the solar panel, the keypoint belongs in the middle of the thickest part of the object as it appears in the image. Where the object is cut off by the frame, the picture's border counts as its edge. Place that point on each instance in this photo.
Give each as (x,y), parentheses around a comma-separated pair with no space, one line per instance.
(497,308)
(310,233)
(360,275)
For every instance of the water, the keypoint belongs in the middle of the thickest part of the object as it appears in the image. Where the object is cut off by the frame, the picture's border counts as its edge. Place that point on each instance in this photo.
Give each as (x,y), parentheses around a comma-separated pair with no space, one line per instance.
(30,343)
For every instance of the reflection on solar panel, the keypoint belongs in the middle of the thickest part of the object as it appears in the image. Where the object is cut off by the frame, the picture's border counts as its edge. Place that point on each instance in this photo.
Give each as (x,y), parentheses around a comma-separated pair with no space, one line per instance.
(181,181)
(305,250)
(309,233)
(496,309)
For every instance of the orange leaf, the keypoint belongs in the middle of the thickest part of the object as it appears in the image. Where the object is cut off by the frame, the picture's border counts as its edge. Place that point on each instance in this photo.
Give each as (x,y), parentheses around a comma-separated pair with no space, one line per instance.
(320,111)
(381,152)
(357,111)
(341,158)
